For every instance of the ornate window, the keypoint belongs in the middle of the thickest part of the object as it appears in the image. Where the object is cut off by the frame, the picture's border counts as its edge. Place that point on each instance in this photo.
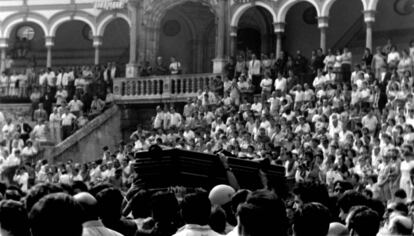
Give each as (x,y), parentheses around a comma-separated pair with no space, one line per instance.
(25,32)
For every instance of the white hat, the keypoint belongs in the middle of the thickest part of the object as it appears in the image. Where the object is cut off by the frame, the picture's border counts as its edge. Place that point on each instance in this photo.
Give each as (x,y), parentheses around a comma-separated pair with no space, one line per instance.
(221,194)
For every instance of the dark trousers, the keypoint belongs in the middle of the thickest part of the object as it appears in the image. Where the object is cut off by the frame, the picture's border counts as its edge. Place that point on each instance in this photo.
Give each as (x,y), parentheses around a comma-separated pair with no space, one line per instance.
(346,73)
(66,131)
(256,79)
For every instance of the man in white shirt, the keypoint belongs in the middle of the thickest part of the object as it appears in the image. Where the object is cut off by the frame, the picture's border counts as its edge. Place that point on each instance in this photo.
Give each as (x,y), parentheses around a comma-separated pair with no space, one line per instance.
(113,71)
(8,131)
(43,78)
(176,119)
(61,96)
(320,79)
(75,106)
(254,68)
(66,77)
(188,134)
(334,126)
(308,93)
(12,160)
(256,106)
(370,121)
(175,66)
(22,178)
(266,85)
(280,82)
(330,76)
(67,123)
(51,78)
(158,119)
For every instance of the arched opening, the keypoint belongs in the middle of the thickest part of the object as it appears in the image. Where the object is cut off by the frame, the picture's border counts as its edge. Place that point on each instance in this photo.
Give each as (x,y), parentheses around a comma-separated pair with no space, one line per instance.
(399,30)
(27,45)
(255,32)
(346,26)
(73,44)
(186,33)
(115,42)
(301,30)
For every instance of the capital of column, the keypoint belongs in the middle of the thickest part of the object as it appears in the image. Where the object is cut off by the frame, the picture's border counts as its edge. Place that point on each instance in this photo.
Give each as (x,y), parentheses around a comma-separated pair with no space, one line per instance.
(233,31)
(279,27)
(49,41)
(4,43)
(369,16)
(323,22)
(97,41)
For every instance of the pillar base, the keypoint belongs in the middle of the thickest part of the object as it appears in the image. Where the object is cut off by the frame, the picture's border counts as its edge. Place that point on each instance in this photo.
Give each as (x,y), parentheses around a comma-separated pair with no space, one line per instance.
(218,65)
(131,70)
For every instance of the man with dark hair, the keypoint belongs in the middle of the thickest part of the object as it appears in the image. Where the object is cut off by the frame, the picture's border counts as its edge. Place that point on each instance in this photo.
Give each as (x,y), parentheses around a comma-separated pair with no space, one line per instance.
(56,214)
(312,219)
(348,200)
(262,214)
(196,210)
(92,226)
(38,191)
(310,192)
(110,204)
(362,221)
(164,209)
(13,219)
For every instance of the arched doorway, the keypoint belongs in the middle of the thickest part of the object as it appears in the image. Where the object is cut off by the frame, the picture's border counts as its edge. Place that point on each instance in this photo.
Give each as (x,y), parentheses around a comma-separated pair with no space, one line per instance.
(301,31)
(115,42)
(346,27)
(186,33)
(255,32)
(27,46)
(73,44)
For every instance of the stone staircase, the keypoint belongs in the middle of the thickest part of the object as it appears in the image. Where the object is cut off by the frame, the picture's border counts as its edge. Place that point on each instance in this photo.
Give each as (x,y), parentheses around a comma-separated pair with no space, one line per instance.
(86,144)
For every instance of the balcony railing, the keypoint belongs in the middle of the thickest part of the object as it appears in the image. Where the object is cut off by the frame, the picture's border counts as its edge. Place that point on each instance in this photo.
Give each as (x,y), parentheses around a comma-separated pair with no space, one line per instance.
(174,88)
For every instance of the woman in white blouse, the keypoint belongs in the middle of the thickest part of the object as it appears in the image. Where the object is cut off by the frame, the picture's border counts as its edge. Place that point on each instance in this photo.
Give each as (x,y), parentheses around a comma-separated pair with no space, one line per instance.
(329,60)
(55,125)
(378,63)
(393,57)
(405,64)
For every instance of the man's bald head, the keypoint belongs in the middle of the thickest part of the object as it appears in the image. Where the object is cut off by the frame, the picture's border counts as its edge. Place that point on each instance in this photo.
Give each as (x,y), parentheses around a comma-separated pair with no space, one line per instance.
(89,205)
(337,229)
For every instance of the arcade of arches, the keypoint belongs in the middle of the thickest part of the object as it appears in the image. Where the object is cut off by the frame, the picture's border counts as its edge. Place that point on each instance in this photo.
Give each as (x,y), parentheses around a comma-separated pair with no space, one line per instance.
(201,34)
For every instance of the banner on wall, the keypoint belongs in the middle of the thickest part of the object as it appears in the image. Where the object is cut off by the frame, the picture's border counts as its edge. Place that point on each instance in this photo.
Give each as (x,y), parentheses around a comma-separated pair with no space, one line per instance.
(110,4)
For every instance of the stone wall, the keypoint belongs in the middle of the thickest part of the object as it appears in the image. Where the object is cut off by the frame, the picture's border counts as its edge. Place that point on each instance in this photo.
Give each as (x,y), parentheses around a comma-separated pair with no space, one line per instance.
(86,144)
(13,110)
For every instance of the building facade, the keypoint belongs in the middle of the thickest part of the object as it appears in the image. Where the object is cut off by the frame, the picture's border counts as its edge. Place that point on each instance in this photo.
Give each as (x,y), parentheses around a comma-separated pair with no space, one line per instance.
(202,34)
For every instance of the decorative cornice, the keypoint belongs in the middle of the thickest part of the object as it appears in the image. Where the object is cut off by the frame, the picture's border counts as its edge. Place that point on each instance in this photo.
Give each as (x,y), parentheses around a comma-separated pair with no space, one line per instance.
(233,31)
(49,41)
(97,41)
(369,15)
(279,27)
(4,43)
(323,22)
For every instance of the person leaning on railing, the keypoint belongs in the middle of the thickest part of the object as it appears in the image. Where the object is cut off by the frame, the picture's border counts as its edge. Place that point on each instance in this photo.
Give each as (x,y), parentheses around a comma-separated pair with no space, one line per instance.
(97,107)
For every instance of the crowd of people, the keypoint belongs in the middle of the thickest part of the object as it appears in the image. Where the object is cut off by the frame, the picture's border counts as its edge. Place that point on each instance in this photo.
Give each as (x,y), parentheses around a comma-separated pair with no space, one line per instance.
(346,140)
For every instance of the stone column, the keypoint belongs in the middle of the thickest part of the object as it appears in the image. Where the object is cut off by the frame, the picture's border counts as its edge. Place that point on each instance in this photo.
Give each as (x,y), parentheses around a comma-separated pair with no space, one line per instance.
(369,18)
(323,25)
(233,41)
(3,49)
(279,30)
(135,15)
(97,43)
(220,60)
(49,43)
